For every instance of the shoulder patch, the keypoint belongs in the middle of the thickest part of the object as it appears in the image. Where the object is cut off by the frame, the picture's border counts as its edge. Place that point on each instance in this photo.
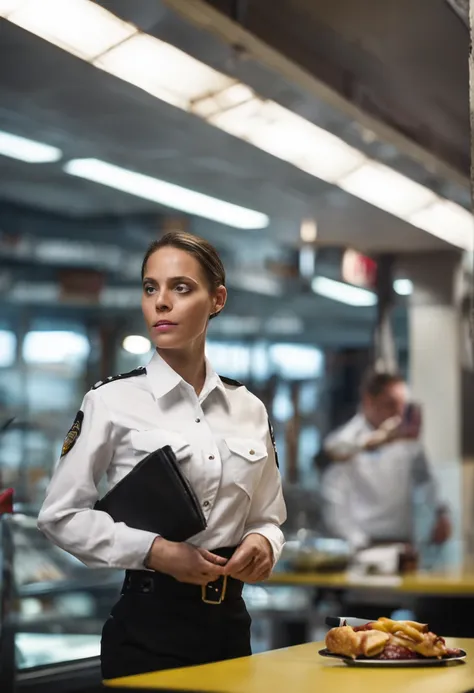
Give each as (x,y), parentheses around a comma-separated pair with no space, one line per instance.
(121,376)
(230,381)
(73,433)
(272,436)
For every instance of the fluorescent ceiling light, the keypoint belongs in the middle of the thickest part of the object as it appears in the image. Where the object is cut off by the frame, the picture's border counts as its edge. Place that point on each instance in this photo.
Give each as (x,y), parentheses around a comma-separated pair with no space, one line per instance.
(287,136)
(167,194)
(79,27)
(9,6)
(308,230)
(27,150)
(387,189)
(174,76)
(403,287)
(344,293)
(89,31)
(229,97)
(447,221)
(136,344)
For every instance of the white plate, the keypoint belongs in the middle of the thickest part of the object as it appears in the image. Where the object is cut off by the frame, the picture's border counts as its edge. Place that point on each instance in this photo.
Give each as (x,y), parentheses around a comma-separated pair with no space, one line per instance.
(427,662)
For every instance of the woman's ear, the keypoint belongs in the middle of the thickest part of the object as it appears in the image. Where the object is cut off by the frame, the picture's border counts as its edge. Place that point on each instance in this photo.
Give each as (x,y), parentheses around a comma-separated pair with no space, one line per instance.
(219,299)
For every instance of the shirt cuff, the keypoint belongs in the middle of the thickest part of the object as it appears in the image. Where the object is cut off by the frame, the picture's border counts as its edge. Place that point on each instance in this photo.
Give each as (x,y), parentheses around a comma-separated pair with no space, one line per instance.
(134,545)
(273,534)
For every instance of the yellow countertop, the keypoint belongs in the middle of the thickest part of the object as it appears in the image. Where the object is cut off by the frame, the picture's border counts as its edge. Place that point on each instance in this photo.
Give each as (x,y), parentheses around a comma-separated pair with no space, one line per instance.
(449,582)
(301,670)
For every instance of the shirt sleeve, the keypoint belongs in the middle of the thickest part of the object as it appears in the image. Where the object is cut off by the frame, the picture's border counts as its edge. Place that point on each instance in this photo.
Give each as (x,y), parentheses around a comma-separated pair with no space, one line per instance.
(267,509)
(337,515)
(67,516)
(423,475)
(346,441)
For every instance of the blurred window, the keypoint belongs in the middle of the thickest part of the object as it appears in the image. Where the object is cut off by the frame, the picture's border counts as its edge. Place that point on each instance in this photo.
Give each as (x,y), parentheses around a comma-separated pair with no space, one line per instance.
(55,347)
(7,348)
(295,361)
(230,358)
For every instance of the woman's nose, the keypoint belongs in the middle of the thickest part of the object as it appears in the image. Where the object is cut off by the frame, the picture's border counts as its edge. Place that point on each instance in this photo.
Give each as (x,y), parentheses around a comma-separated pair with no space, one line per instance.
(163,301)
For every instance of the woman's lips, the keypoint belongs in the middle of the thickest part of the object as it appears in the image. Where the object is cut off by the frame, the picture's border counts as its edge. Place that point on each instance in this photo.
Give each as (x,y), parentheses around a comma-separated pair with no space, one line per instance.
(164,326)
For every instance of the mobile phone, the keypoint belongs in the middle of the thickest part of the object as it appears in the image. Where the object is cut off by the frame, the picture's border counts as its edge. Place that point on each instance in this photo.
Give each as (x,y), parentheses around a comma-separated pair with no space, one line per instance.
(409,413)
(411,422)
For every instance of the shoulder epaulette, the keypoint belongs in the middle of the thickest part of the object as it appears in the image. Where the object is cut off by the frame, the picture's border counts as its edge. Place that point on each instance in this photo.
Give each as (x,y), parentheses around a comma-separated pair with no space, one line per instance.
(272,436)
(121,376)
(230,381)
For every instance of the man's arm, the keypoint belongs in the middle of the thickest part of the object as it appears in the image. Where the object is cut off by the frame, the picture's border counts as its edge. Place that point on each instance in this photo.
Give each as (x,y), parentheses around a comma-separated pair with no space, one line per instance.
(345,442)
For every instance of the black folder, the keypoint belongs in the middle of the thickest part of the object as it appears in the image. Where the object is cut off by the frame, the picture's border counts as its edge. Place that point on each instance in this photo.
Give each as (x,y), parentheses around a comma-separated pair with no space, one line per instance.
(157,497)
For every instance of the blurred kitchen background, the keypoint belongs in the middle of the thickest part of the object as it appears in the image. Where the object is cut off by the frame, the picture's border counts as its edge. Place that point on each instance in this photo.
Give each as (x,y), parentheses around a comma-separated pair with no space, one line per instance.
(340,130)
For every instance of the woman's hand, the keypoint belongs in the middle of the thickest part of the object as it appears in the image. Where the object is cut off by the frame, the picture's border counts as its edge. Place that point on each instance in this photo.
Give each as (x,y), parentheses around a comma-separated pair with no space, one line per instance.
(252,560)
(184,562)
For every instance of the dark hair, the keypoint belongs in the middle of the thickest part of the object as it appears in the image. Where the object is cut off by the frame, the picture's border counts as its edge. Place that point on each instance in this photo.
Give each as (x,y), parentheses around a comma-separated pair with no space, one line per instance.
(375,383)
(202,250)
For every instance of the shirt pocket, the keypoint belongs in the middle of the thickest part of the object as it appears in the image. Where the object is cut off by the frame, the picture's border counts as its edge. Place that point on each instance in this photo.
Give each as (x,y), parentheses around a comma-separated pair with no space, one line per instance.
(244,460)
(145,442)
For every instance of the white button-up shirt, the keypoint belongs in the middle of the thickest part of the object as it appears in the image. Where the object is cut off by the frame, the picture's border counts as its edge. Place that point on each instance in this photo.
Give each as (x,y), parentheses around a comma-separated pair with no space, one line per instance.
(221,438)
(370,497)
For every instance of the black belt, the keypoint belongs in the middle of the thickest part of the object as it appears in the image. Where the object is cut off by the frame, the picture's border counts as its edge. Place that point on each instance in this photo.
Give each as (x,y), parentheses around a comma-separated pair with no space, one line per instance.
(162,585)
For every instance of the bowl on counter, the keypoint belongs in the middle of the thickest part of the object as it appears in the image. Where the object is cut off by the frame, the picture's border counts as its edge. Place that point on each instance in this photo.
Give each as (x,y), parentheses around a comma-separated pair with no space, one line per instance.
(307,551)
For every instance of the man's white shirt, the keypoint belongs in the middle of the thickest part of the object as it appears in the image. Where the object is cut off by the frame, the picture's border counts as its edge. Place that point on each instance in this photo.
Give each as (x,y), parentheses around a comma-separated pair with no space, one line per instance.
(370,497)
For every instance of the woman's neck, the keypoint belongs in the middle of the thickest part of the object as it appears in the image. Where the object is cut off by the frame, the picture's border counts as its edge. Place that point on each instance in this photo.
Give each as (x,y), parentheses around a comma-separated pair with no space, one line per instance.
(189,364)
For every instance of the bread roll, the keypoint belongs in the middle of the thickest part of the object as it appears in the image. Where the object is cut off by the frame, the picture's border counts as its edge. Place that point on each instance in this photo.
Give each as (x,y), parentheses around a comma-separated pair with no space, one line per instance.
(343,640)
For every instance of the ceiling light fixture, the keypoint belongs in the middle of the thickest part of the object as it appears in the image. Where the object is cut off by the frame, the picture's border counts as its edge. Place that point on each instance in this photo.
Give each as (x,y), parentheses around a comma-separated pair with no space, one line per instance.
(403,287)
(162,70)
(77,26)
(387,189)
(89,31)
(344,293)
(9,6)
(24,149)
(447,221)
(167,194)
(288,136)
(308,230)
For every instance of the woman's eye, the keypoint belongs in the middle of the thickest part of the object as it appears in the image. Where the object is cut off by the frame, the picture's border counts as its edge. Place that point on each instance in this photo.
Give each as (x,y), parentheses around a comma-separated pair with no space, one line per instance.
(148,290)
(182,288)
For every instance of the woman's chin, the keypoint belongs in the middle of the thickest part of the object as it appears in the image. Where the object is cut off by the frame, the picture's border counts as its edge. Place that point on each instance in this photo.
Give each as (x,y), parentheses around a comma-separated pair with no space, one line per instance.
(167,341)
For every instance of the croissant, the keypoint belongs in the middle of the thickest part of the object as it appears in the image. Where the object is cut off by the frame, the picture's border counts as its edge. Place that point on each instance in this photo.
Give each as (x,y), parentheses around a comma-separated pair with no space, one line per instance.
(349,643)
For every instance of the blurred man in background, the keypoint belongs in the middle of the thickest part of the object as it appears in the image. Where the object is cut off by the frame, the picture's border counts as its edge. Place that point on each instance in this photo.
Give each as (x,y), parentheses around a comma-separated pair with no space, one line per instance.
(376,461)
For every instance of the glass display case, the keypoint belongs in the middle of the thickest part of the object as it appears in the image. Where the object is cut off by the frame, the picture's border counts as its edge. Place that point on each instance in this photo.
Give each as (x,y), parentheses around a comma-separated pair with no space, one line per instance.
(61,604)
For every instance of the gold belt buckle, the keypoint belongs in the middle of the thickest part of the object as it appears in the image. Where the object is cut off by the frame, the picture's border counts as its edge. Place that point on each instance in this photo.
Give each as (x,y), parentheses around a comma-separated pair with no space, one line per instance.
(222,592)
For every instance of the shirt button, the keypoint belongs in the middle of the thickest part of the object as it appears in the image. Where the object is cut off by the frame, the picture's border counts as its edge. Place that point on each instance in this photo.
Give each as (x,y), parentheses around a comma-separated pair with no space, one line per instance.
(211,457)
(206,504)
(251,452)
(198,420)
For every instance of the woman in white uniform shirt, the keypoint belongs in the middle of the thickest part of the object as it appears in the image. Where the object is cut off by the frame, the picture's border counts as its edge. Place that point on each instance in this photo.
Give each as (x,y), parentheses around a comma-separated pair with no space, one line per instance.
(220,434)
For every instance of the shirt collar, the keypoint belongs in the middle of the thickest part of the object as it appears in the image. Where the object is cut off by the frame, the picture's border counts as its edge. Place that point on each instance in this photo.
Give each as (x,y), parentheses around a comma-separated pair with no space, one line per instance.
(212,382)
(163,379)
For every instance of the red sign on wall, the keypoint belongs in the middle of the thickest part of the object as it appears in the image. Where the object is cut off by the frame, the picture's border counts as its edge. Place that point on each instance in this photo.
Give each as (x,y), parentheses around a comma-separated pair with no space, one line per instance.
(359,269)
